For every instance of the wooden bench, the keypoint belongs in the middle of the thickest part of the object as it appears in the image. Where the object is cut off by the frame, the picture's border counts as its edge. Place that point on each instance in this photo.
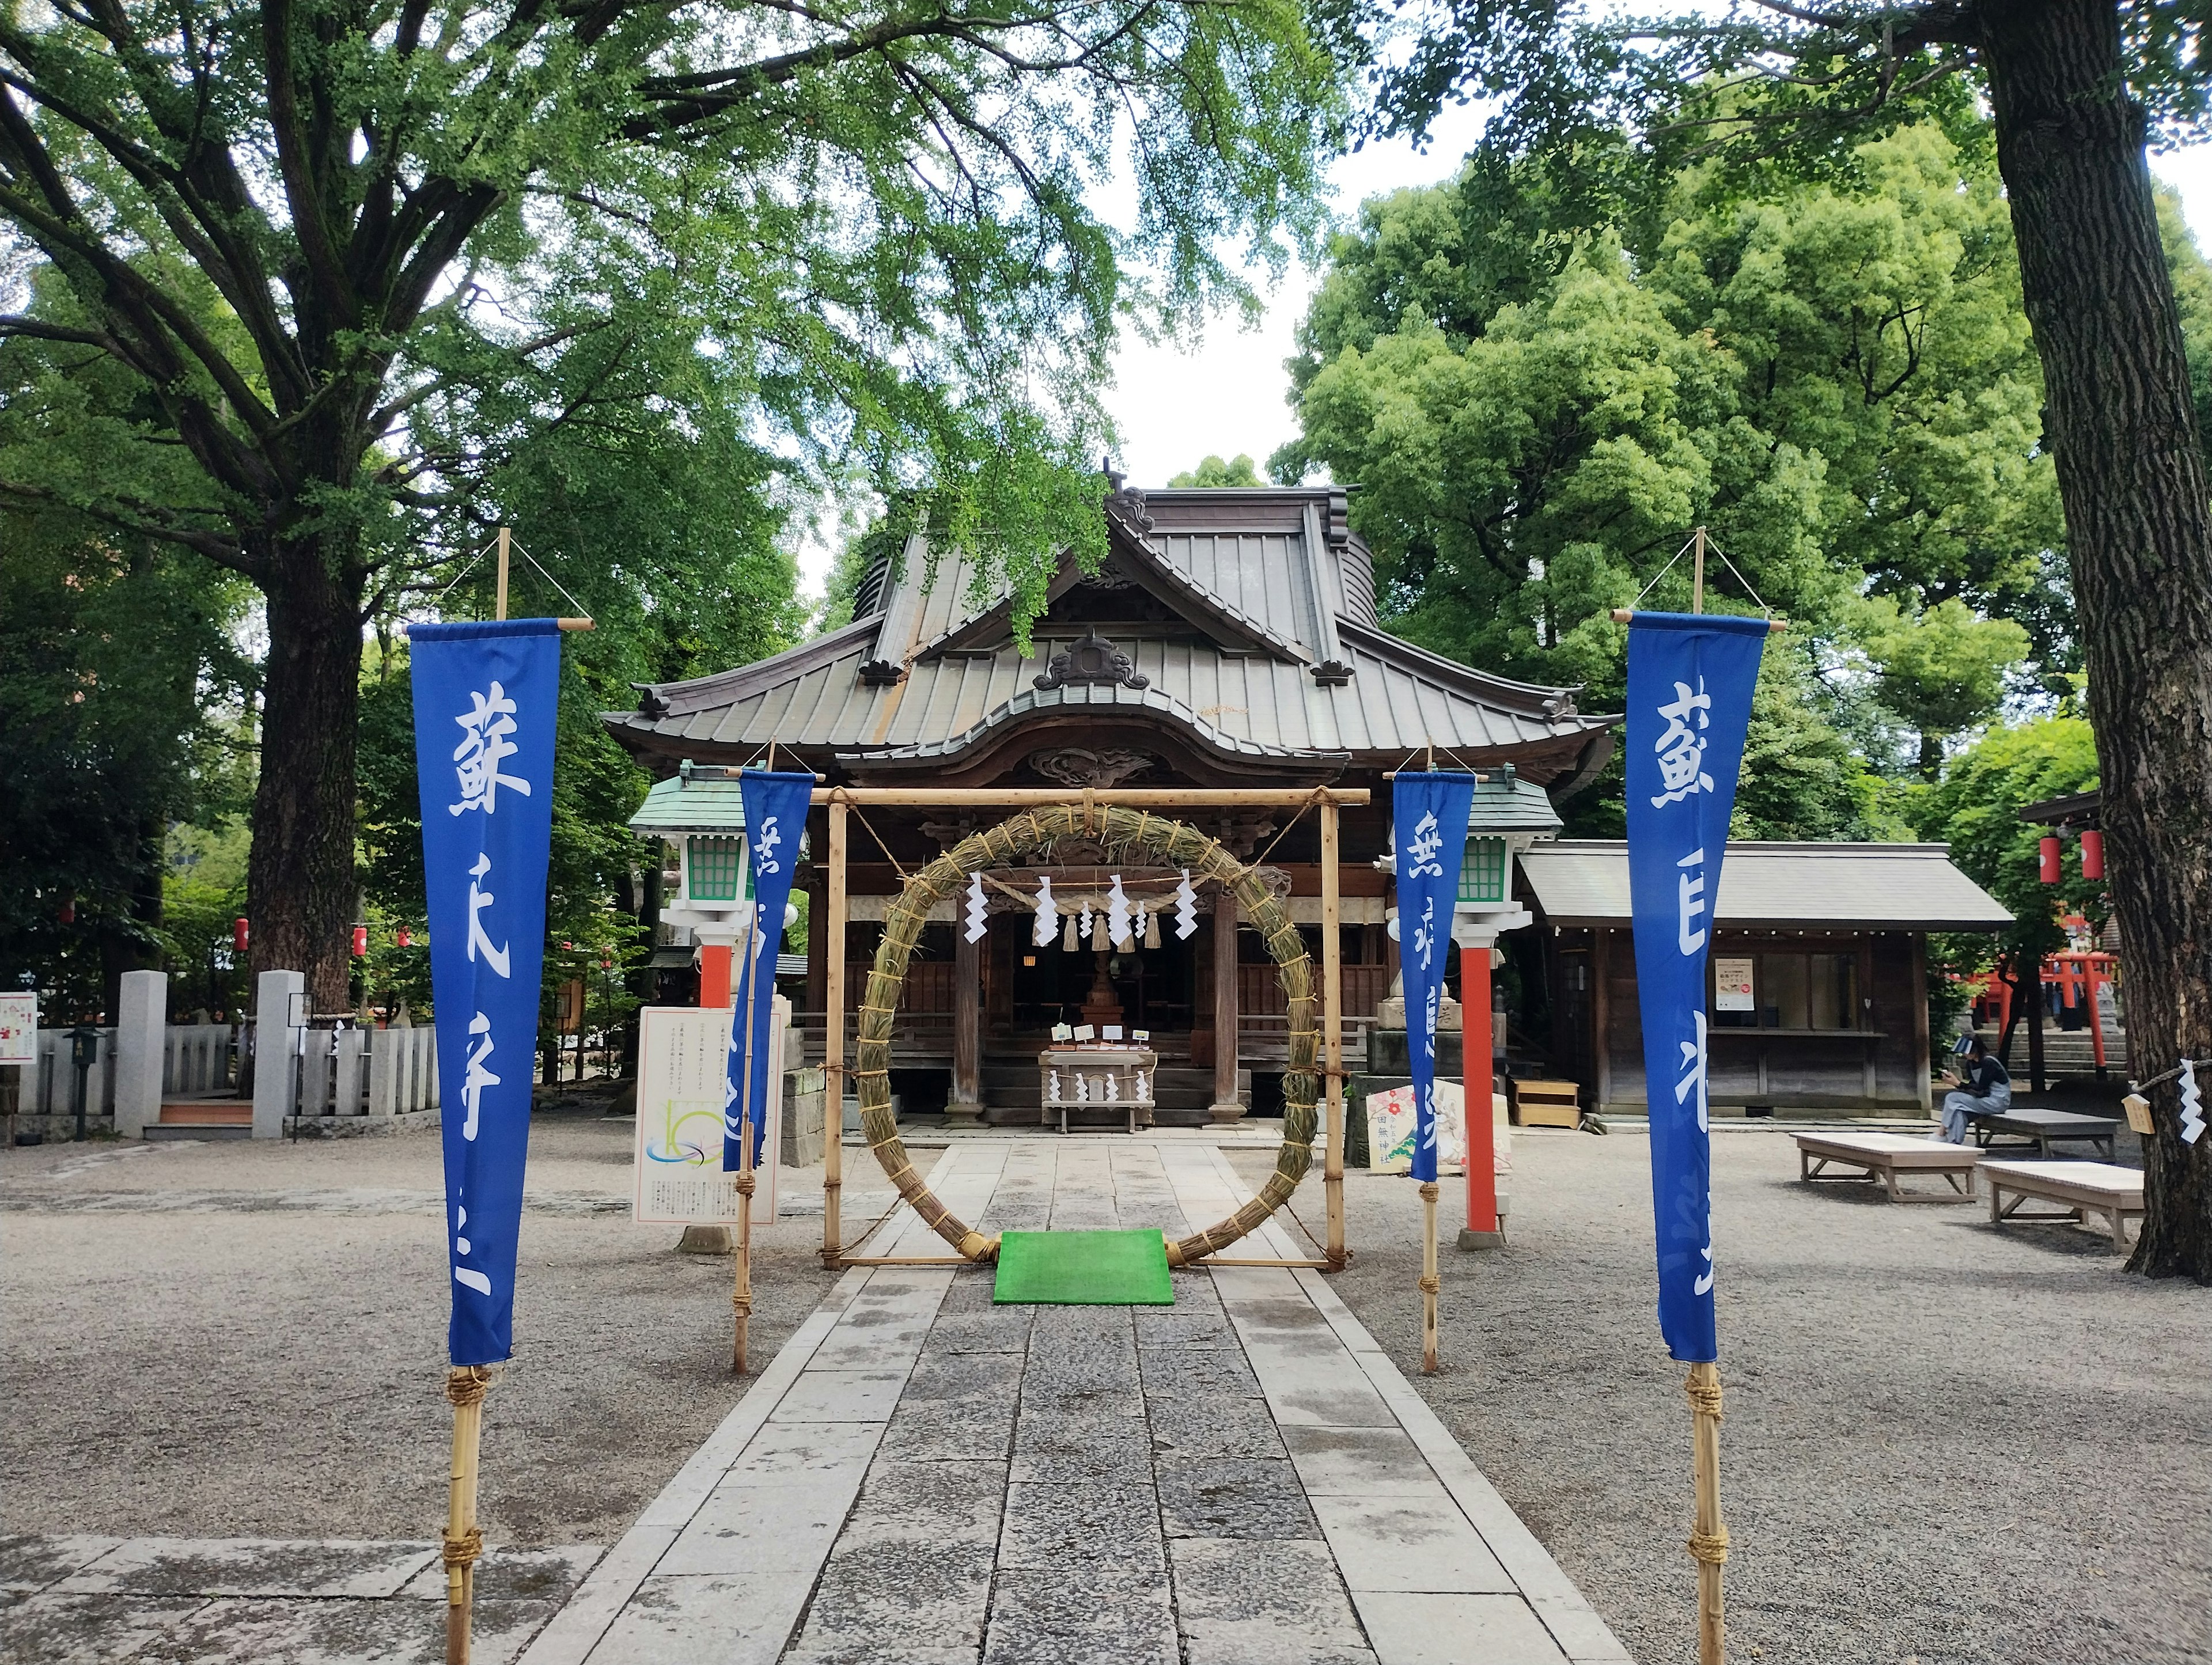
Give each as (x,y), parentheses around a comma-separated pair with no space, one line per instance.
(2030,1126)
(1885,1156)
(2083,1189)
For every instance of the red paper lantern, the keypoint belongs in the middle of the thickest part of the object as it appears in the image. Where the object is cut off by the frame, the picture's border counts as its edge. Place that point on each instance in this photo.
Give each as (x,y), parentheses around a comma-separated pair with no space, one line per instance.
(361,942)
(2049,846)
(67,915)
(237,935)
(2093,854)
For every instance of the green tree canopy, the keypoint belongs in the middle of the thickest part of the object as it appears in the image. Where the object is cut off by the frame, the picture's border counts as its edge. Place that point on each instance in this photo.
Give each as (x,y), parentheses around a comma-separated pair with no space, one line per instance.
(357,258)
(1836,378)
(1239,471)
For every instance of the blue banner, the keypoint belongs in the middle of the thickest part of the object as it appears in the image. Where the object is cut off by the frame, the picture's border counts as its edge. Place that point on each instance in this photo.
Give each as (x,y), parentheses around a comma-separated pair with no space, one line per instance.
(1690,681)
(1428,834)
(775,814)
(486,695)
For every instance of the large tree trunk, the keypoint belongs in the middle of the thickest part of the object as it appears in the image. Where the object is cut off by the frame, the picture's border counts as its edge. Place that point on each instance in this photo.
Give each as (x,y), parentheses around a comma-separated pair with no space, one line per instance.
(2139,528)
(301,877)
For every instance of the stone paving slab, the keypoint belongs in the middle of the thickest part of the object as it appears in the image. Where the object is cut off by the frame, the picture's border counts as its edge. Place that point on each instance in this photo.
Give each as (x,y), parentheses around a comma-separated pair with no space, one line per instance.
(153,1600)
(923,1476)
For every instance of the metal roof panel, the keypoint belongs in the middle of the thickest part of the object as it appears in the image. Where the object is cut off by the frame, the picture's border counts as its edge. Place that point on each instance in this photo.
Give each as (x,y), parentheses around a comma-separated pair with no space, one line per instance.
(1888,886)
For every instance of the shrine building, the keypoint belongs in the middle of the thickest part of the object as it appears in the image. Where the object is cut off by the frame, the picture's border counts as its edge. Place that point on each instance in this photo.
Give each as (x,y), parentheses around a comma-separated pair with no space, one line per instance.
(1231,638)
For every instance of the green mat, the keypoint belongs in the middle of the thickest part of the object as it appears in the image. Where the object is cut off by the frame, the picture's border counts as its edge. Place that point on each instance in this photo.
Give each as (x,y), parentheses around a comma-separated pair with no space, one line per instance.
(1084,1269)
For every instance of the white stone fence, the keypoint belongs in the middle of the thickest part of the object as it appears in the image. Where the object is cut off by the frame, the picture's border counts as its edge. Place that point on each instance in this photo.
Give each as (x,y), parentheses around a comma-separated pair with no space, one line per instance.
(309,1070)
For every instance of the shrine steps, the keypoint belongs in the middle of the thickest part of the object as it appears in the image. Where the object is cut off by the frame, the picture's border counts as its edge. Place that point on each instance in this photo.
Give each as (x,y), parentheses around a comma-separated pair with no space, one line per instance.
(204,1118)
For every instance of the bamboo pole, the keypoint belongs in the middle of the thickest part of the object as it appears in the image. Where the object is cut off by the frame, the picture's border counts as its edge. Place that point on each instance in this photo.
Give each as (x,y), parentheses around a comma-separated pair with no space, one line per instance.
(1151,797)
(741,1295)
(1709,1542)
(1697,571)
(1332,1038)
(500,611)
(1775,627)
(1431,1283)
(466,1387)
(833,1048)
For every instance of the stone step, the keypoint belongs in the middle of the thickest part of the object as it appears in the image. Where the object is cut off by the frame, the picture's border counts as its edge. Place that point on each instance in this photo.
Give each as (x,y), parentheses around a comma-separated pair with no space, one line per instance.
(209,1113)
(158,1130)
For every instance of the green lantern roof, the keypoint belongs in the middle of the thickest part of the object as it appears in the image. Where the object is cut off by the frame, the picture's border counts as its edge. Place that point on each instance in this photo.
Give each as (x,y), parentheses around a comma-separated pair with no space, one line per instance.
(1504,803)
(693,800)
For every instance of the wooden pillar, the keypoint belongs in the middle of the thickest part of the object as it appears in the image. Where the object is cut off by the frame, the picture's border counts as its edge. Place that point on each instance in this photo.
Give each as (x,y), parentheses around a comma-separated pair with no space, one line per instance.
(1227,1106)
(1332,1035)
(1600,1008)
(965,1102)
(833,1054)
(1916,945)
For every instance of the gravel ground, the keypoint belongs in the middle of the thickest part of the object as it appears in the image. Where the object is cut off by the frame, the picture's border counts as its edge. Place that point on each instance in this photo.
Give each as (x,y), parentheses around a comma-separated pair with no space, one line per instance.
(1943,1442)
(248,1340)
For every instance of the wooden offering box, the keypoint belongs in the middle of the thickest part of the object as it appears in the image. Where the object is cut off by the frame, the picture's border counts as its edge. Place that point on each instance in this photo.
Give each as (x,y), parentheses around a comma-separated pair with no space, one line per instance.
(1089,1079)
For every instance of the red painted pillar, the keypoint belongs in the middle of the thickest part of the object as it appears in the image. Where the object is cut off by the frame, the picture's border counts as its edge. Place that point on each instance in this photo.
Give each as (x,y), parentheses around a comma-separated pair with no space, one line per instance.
(1475,1043)
(713,975)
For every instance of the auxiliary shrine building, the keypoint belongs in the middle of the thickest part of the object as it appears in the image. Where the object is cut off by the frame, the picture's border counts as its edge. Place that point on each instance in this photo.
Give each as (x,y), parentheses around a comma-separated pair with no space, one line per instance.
(1230,639)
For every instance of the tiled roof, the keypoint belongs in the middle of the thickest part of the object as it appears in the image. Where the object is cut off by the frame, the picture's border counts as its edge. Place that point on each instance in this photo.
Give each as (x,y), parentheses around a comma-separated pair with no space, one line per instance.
(1258,641)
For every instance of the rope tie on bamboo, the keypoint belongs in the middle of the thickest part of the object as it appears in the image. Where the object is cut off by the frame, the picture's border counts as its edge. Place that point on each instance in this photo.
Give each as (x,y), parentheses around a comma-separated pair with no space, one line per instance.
(1710,1548)
(1704,1398)
(1431,1283)
(467,1385)
(745,1183)
(461,1550)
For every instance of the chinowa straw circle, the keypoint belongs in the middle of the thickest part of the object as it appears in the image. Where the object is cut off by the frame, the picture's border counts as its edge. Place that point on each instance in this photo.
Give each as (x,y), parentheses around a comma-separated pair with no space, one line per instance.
(1124,832)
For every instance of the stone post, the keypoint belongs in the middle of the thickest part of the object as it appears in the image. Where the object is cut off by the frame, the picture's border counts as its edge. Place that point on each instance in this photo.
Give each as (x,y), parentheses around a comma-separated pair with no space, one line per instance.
(141,1037)
(275,1041)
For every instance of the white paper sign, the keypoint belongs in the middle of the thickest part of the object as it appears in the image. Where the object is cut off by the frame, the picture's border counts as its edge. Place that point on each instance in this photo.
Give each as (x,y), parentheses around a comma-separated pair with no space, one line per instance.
(683,1054)
(19,1029)
(1732,985)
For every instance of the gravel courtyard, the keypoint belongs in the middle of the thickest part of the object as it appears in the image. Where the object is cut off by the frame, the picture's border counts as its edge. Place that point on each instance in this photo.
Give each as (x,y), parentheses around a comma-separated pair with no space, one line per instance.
(243,1339)
(1943,1443)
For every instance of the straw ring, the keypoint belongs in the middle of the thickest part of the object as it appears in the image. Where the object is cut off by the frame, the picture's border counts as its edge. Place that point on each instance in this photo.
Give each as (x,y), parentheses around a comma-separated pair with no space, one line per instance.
(1127,831)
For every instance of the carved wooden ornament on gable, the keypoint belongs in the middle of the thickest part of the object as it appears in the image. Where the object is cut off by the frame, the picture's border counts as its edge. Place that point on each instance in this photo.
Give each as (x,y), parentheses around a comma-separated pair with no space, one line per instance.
(1092,659)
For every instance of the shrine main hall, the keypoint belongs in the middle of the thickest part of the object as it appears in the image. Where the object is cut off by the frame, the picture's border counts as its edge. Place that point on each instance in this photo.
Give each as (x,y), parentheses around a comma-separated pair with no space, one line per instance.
(1231,639)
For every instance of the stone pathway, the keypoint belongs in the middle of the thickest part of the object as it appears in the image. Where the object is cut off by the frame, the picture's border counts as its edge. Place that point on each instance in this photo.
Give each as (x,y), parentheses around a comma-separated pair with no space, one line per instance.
(921,1477)
(231,1600)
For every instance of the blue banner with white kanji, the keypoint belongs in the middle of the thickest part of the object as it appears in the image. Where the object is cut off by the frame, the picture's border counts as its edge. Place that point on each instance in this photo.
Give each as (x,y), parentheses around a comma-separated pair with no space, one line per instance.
(775,814)
(485,700)
(1690,682)
(1428,834)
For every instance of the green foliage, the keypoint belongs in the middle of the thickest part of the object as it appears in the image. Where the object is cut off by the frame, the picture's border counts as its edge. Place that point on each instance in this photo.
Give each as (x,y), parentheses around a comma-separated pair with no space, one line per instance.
(1942,672)
(1240,470)
(203,896)
(1835,377)
(1976,810)
(362,283)
(119,679)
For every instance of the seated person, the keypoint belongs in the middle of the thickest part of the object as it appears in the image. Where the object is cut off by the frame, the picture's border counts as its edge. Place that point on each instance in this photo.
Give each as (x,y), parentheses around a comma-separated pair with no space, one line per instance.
(1985,1089)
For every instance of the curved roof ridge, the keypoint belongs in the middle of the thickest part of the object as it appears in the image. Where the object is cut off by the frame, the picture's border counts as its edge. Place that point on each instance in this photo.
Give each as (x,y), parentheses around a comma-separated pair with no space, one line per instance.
(692,694)
(1549,701)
